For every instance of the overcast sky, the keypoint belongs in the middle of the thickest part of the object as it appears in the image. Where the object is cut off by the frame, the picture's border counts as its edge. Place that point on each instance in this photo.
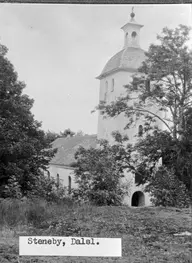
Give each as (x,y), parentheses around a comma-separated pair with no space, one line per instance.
(58,50)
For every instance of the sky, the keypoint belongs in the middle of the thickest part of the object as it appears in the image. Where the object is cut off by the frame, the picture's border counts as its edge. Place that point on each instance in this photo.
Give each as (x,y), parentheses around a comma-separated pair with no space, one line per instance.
(58,50)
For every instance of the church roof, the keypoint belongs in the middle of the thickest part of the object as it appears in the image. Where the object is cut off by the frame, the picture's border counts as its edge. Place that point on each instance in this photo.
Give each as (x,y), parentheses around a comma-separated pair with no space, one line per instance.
(66,148)
(128,59)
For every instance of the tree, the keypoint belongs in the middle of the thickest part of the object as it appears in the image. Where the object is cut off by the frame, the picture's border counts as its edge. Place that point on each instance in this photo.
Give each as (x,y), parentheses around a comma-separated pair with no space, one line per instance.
(24,149)
(67,133)
(176,156)
(99,173)
(80,133)
(164,81)
(167,190)
(51,136)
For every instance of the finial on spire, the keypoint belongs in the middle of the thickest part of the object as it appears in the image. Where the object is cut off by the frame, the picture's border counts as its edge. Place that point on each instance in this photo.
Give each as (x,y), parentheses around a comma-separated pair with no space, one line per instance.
(132,13)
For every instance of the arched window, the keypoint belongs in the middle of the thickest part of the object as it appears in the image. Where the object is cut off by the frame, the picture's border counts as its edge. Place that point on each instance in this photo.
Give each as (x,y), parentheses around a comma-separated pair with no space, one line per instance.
(69,184)
(140,131)
(112,85)
(58,180)
(137,178)
(134,34)
(48,175)
(106,90)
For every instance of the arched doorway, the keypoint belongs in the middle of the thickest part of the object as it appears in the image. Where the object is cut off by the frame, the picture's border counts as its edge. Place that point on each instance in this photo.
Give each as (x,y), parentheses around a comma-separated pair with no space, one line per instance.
(138,199)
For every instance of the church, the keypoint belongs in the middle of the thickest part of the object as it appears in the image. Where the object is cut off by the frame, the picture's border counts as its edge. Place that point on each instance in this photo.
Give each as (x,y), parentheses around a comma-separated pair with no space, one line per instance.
(115,75)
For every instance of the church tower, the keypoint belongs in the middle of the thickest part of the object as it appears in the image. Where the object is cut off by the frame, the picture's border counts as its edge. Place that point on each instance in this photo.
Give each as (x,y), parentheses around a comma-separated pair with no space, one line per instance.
(116,74)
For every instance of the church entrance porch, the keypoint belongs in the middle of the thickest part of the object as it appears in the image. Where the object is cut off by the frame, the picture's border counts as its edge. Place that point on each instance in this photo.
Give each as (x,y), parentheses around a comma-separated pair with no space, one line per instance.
(138,199)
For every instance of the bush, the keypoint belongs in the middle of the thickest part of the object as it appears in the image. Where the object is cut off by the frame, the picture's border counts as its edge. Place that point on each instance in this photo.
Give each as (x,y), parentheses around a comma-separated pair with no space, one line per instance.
(48,190)
(12,189)
(167,190)
(99,175)
(43,188)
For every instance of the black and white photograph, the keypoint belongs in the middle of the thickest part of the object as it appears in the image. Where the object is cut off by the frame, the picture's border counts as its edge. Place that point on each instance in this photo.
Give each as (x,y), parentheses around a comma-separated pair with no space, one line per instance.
(95,133)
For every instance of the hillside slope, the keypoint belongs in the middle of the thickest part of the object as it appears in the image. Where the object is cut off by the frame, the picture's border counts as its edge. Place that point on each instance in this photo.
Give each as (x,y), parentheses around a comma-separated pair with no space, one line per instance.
(147,234)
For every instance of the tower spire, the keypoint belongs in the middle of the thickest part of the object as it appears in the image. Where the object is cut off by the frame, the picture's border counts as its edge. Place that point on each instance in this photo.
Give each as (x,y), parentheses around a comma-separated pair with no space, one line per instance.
(131,32)
(132,15)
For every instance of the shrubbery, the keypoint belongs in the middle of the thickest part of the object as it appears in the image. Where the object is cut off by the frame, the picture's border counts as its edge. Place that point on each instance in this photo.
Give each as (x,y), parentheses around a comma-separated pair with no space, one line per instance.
(167,190)
(12,189)
(45,188)
(99,175)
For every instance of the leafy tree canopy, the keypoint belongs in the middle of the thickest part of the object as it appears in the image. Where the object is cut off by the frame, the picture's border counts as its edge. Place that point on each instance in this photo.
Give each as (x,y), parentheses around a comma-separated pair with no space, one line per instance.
(24,149)
(66,133)
(51,136)
(98,173)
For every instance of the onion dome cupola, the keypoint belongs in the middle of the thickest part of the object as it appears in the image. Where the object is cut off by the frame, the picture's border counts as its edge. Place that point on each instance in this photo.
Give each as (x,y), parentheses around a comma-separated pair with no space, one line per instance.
(131,56)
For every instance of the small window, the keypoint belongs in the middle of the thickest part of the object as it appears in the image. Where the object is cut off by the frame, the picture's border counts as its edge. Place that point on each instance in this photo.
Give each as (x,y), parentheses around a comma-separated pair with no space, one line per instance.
(69,184)
(134,34)
(137,178)
(58,180)
(140,131)
(147,85)
(112,85)
(106,85)
(106,90)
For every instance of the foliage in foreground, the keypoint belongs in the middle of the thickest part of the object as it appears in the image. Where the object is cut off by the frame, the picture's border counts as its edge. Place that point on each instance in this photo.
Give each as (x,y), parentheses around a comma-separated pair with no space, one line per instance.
(49,190)
(24,149)
(44,188)
(99,173)
(176,156)
(167,190)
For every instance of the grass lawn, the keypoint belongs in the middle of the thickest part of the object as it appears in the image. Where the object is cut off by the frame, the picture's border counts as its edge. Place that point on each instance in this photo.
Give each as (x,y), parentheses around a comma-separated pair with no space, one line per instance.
(147,234)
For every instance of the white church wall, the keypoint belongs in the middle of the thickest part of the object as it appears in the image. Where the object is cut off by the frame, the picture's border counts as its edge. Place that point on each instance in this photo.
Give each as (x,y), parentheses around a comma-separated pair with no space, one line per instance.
(64,174)
(107,126)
